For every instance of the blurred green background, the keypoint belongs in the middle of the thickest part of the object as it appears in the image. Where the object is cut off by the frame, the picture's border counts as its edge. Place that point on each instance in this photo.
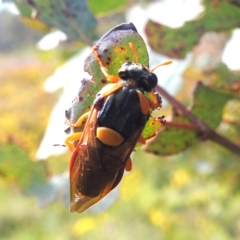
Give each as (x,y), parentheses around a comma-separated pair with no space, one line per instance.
(194,194)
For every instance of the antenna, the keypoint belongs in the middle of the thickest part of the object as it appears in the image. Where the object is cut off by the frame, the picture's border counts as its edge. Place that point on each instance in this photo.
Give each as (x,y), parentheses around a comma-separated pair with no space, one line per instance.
(159,65)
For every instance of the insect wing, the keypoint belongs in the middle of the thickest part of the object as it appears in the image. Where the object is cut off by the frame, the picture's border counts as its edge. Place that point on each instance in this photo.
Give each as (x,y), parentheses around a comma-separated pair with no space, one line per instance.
(84,161)
(95,169)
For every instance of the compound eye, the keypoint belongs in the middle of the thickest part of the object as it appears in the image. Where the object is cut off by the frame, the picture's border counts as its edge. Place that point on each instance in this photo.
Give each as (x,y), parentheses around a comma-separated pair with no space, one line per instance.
(153,80)
(123,74)
(148,84)
(123,71)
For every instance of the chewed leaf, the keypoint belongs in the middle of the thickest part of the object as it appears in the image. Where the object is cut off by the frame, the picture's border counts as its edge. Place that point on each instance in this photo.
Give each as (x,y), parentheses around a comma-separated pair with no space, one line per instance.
(114,51)
(71,17)
(208,107)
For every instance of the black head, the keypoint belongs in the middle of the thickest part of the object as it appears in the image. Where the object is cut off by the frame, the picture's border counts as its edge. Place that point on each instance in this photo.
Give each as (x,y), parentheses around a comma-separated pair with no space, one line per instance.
(144,79)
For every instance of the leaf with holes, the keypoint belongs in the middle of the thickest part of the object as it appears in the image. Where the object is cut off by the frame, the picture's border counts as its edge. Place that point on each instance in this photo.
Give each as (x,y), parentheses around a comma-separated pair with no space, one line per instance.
(114,50)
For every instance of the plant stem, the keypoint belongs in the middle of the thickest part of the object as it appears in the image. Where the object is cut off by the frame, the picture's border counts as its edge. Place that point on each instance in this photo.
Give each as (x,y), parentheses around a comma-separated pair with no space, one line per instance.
(225,142)
(188,126)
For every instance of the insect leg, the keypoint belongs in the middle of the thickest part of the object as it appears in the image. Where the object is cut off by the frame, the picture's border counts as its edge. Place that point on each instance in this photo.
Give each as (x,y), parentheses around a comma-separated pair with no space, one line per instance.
(128,166)
(79,121)
(73,137)
(147,104)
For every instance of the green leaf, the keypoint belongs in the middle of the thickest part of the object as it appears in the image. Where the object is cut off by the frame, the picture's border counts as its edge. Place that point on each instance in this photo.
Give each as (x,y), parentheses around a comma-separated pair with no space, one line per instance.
(209,104)
(175,43)
(151,127)
(71,17)
(106,7)
(223,76)
(24,9)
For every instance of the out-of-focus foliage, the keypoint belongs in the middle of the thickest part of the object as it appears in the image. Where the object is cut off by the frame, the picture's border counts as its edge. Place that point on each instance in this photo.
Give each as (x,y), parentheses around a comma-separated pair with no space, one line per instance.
(208,104)
(63,15)
(21,83)
(218,16)
(192,195)
(14,26)
(107,7)
(179,197)
(13,160)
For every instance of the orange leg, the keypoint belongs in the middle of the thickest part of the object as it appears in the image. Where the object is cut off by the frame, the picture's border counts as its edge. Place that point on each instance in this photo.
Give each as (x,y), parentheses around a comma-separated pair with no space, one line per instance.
(79,121)
(128,166)
(146,103)
(73,137)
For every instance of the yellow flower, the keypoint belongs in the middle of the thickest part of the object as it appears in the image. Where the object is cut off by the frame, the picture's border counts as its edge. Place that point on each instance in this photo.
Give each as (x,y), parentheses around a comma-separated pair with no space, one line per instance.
(157,218)
(83,225)
(180,178)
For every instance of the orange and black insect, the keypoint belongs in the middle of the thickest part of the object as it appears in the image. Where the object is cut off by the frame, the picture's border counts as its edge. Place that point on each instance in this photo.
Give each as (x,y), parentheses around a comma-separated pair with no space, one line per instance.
(113,127)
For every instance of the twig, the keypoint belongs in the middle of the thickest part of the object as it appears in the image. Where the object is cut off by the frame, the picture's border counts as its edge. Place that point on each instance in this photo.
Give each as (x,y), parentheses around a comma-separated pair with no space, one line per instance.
(188,126)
